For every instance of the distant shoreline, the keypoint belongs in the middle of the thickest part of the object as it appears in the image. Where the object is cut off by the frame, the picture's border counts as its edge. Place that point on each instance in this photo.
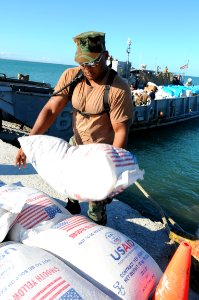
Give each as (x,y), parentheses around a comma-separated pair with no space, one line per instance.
(72,65)
(35,61)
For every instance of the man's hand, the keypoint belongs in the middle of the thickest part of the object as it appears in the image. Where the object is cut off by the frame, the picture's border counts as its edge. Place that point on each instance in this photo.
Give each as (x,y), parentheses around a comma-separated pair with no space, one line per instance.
(20,159)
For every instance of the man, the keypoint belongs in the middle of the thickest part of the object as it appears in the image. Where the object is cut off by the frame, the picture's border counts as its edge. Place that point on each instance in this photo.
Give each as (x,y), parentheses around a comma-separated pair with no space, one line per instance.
(189,82)
(91,122)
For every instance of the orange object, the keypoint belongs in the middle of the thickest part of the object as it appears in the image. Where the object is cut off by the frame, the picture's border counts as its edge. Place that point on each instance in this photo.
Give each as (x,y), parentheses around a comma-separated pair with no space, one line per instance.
(174,283)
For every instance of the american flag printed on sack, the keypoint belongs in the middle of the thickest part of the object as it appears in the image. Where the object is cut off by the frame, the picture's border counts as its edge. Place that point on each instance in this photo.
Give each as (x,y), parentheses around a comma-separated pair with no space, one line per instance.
(120,157)
(71,295)
(56,287)
(123,160)
(72,223)
(37,209)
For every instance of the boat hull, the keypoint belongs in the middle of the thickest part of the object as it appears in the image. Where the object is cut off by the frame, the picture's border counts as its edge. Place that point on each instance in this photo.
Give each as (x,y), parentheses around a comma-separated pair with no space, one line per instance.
(24,102)
(163,112)
(25,106)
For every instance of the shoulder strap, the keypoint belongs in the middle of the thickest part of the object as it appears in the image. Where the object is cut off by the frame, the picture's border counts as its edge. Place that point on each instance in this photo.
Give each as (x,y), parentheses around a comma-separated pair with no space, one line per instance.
(106,94)
(107,89)
(74,82)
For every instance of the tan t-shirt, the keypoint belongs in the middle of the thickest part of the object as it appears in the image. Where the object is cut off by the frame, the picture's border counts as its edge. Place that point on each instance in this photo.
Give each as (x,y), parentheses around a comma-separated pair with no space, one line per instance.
(97,128)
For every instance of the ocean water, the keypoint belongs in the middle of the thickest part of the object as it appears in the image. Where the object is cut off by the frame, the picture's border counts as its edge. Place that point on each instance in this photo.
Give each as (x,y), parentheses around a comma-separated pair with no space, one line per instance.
(169,156)
(44,72)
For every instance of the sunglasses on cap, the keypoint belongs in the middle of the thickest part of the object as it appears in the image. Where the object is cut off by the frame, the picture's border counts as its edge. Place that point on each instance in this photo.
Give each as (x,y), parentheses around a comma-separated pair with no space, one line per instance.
(92,64)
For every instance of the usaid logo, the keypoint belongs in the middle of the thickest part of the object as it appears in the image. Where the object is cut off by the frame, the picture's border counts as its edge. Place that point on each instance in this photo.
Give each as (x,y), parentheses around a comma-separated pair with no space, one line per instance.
(113,238)
(122,249)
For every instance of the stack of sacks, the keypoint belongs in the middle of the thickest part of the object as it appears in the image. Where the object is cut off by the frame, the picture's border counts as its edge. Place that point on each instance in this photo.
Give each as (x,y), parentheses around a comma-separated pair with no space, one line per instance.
(85,172)
(27,208)
(101,254)
(11,204)
(32,273)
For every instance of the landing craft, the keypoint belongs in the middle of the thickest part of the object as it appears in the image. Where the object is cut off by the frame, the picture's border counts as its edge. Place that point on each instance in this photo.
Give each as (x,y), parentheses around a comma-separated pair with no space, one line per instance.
(21,101)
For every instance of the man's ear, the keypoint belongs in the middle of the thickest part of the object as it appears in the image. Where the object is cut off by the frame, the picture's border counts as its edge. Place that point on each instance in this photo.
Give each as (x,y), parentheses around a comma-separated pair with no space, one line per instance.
(106,54)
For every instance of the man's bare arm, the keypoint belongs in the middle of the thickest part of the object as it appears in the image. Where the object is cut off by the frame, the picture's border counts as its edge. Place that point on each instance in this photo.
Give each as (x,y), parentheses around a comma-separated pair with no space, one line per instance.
(48,114)
(121,131)
(44,120)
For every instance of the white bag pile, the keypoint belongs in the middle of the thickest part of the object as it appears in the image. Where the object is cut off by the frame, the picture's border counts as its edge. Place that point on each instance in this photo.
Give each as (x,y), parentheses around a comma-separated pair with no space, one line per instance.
(11,204)
(100,254)
(32,273)
(110,260)
(85,172)
(32,207)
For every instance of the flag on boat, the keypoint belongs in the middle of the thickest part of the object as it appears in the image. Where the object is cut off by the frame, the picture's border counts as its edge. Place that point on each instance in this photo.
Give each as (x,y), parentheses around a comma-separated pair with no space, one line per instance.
(184,67)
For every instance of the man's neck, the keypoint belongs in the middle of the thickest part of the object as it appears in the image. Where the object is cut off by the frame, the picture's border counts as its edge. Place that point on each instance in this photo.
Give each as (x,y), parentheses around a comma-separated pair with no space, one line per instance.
(99,78)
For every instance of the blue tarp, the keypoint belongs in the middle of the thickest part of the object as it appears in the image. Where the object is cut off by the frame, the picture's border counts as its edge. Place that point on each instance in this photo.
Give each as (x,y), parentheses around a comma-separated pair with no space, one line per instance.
(178,90)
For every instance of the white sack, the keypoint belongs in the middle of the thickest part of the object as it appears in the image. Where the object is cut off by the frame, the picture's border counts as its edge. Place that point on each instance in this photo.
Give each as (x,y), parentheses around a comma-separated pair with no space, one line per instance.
(102,253)
(85,172)
(38,207)
(11,204)
(32,273)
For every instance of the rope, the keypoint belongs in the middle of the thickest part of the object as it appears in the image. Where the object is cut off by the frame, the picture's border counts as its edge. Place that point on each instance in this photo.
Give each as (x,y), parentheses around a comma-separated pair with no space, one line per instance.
(164,216)
(164,220)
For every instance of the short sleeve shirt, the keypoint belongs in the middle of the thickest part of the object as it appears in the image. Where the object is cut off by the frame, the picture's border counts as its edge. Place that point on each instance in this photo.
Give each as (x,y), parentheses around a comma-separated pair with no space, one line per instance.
(96,127)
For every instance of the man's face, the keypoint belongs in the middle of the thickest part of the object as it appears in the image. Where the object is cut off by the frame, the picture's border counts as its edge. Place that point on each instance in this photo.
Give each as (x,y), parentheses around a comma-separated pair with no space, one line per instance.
(95,70)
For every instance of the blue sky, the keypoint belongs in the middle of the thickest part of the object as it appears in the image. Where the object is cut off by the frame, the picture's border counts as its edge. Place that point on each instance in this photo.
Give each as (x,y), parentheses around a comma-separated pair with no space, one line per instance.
(163,33)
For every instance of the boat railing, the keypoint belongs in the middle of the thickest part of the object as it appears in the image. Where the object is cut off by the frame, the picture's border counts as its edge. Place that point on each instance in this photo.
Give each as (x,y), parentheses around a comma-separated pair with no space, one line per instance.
(2,75)
(166,110)
(13,80)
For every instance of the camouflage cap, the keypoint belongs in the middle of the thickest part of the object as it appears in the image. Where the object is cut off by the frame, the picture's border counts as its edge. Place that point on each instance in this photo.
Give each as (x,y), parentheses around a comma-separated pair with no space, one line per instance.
(89,46)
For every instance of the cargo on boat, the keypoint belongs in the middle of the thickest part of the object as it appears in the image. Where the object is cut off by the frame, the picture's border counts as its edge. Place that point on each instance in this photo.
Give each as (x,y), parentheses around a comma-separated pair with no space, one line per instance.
(23,99)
